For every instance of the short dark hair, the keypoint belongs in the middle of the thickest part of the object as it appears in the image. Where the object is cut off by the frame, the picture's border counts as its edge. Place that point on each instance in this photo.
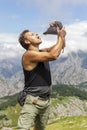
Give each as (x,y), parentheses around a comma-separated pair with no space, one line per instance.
(22,39)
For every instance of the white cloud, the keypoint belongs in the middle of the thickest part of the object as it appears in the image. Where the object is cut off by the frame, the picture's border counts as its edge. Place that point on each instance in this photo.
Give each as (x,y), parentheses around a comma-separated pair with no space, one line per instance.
(9,46)
(5,37)
(76,39)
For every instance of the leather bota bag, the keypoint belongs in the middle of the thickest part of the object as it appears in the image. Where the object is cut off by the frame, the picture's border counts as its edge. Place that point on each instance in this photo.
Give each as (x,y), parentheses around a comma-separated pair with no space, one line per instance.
(53,29)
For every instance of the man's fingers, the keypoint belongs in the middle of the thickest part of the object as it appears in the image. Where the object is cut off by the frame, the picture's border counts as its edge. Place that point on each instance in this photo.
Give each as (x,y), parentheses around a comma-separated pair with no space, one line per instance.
(58,29)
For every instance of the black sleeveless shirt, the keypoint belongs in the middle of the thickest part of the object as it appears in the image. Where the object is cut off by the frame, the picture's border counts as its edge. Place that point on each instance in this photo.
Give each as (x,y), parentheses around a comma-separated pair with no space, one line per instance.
(38,80)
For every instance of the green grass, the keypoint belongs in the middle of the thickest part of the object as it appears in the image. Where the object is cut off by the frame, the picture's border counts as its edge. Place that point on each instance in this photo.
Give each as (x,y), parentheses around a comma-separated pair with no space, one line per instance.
(69,123)
(13,114)
(10,114)
(59,100)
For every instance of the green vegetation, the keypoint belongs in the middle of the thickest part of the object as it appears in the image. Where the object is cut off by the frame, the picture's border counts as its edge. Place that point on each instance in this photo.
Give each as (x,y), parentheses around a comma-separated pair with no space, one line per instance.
(9,111)
(68,90)
(9,116)
(8,101)
(83,86)
(59,100)
(69,123)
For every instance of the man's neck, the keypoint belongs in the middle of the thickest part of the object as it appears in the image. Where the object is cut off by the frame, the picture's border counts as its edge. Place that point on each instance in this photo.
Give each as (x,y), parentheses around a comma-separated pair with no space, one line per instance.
(34,48)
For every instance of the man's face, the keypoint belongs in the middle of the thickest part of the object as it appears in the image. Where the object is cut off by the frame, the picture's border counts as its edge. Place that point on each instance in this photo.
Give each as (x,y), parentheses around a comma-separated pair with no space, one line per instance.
(33,38)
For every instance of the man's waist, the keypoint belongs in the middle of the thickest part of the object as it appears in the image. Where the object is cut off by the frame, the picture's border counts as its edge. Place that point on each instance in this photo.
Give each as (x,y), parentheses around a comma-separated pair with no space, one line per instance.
(44,98)
(40,97)
(44,93)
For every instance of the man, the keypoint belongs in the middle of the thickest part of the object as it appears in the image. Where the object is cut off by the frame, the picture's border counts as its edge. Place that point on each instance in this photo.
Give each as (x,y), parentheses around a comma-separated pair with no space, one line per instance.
(37,76)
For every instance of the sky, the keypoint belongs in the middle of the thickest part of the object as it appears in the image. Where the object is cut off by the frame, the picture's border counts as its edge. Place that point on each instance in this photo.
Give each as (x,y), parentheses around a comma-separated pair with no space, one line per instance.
(35,15)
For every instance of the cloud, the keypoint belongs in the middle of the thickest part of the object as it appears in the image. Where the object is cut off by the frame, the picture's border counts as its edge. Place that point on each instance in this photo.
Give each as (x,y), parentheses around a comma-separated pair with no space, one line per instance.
(9,46)
(76,40)
(76,36)
(5,37)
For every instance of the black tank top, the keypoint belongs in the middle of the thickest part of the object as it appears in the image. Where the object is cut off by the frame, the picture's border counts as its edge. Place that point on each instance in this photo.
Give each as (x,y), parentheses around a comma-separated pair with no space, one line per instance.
(38,80)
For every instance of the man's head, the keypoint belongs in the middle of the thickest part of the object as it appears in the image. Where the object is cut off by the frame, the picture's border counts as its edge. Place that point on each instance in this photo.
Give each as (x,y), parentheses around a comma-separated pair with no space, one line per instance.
(28,38)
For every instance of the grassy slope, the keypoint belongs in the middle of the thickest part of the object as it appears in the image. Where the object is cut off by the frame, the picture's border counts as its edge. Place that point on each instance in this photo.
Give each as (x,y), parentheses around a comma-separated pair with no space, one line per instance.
(69,123)
(65,123)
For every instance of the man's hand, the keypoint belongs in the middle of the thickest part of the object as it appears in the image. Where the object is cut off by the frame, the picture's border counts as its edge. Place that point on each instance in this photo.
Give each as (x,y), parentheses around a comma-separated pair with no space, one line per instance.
(62,34)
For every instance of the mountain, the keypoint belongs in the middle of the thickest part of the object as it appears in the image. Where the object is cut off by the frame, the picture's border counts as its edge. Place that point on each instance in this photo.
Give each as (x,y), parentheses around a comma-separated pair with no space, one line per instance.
(9,67)
(11,76)
(70,69)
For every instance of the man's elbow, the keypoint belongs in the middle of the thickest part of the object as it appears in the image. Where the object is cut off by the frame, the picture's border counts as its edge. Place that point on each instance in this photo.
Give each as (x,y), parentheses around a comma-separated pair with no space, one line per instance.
(55,56)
